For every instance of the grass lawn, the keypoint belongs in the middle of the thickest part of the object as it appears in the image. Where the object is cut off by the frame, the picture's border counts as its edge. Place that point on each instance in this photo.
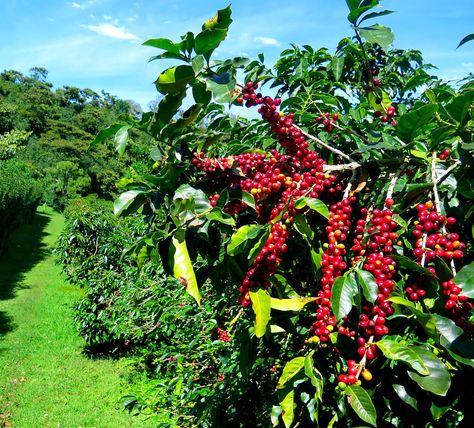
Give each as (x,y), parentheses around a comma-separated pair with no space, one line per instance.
(45,380)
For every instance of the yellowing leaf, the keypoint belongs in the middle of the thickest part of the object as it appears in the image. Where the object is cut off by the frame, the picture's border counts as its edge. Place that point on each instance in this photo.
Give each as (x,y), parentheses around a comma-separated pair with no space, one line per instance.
(182,265)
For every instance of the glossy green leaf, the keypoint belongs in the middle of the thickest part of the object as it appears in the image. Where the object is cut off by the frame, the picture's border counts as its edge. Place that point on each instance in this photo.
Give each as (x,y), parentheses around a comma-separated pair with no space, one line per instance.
(439,380)
(466,39)
(261,307)
(337,66)
(375,15)
(221,217)
(314,376)
(301,225)
(465,279)
(313,203)
(288,408)
(255,251)
(165,44)
(198,63)
(104,134)
(222,87)
(453,337)
(169,106)
(405,395)
(239,240)
(426,320)
(408,264)
(362,404)
(378,34)
(291,304)
(410,123)
(291,369)
(208,40)
(343,292)
(121,139)
(201,201)
(401,352)
(368,285)
(124,202)
(182,265)
(175,79)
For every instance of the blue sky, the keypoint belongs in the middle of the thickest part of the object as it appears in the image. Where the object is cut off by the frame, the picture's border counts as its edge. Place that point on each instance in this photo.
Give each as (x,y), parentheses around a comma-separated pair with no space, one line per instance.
(96,43)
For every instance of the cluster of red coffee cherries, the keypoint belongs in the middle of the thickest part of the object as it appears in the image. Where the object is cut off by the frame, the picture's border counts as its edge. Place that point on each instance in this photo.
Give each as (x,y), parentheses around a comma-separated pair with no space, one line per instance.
(281,177)
(333,265)
(327,120)
(433,240)
(444,154)
(266,263)
(223,335)
(388,116)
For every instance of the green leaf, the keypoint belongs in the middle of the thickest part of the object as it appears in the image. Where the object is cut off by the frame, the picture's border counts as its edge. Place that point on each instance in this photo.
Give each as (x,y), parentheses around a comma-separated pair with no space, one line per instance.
(465,279)
(409,123)
(453,337)
(410,265)
(426,320)
(367,283)
(121,139)
(174,79)
(291,304)
(182,265)
(337,65)
(459,107)
(375,15)
(165,44)
(466,39)
(169,106)
(377,34)
(221,217)
(123,204)
(405,395)
(104,134)
(208,40)
(222,87)
(302,226)
(288,408)
(291,369)
(239,240)
(198,63)
(356,13)
(261,307)
(314,376)
(401,352)
(343,293)
(200,93)
(314,204)
(255,251)
(201,201)
(439,380)
(362,404)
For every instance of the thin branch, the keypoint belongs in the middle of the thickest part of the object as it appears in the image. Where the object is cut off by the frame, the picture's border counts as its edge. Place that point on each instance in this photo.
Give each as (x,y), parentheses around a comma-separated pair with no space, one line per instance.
(344,167)
(350,184)
(436,180)
(326,146)
(447,172)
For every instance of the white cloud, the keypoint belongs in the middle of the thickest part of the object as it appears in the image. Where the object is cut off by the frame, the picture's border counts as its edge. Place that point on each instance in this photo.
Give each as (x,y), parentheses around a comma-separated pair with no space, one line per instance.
(268,41)
(77,5)
(107,18)
(109,30)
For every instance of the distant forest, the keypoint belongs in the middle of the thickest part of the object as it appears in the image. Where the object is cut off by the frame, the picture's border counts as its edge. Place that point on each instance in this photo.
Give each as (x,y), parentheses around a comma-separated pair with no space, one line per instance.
(44,145)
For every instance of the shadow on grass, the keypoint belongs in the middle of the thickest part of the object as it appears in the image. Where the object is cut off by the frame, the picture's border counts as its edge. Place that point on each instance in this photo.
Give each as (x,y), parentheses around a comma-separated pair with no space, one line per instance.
(25,248)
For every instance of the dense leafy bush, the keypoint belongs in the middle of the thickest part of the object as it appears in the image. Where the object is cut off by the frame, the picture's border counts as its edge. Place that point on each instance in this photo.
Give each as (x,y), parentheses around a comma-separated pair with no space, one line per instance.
(20,193)
(329,240)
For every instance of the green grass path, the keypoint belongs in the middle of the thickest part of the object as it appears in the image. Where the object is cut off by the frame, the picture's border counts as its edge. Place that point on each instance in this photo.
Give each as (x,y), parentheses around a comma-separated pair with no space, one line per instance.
(45,380)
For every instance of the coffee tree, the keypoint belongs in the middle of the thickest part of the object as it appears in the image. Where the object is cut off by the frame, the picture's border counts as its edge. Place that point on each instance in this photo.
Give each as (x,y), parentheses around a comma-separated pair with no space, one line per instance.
(339,224)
